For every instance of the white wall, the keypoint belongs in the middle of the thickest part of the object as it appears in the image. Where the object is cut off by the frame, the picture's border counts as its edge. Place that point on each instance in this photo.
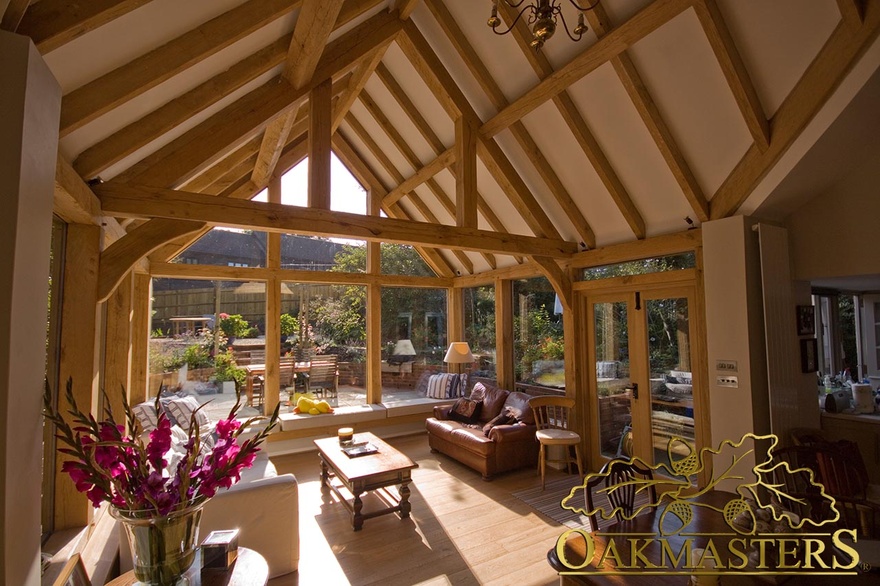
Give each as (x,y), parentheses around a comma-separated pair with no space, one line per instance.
(734,330)
(30,102)
(838,233)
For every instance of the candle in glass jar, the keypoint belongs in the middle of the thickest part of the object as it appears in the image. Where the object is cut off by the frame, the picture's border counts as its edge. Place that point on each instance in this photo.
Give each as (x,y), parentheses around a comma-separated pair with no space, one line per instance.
(345,434)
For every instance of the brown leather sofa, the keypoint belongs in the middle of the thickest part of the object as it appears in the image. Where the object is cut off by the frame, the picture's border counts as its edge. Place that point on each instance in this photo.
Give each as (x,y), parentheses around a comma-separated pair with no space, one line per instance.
(507,447)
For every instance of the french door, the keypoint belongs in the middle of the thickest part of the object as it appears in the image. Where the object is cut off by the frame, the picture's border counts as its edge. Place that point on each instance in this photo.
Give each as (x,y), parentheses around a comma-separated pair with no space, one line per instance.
(642,343)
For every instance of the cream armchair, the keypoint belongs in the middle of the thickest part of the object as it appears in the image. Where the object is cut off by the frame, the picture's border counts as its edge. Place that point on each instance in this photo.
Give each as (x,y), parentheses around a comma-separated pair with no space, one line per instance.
(264,506)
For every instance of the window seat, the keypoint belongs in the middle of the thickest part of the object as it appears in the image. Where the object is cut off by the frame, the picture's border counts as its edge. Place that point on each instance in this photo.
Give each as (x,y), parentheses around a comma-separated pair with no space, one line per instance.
(343,416)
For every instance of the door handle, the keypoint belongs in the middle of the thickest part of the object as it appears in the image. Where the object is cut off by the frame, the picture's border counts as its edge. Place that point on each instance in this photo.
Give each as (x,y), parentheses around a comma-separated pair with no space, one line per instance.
(634,389)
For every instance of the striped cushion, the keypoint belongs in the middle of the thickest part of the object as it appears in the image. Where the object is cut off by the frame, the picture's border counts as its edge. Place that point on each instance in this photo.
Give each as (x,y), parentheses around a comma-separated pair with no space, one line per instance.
(146,415)
(440,385)
(181,409)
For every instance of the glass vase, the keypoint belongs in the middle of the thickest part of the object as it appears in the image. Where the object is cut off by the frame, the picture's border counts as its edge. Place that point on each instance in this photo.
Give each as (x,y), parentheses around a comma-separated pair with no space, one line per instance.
(163,547)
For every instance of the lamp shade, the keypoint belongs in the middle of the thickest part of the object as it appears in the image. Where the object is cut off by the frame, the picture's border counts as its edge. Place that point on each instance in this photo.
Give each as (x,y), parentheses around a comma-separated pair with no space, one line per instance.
(459,353)
(404,348)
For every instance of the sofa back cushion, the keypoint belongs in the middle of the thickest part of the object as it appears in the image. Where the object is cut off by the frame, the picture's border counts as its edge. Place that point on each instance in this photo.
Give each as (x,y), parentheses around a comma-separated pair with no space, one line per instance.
(518,403)
(493,401)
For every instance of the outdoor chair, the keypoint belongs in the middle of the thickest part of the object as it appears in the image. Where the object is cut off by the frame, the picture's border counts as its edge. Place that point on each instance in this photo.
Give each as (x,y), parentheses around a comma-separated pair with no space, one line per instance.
(552,416)
(323,376)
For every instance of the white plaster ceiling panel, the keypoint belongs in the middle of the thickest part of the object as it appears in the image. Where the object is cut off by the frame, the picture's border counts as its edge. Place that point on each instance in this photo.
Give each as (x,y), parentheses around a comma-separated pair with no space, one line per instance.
(479,262)
(632,152)
(499,202)
(402,123)
(378,134)
(426,102)
(73,144)
(426,195)
(778,40)
(539,189)
(356,22)
(130,36)
(435,36)
(500,54)
(152,99)
(367,156)
(561,149)
(619,11)
(681,73)
(446,181)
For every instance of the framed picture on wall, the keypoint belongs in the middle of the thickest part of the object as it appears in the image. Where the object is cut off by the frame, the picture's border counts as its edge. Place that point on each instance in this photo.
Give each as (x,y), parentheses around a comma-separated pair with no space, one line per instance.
(806,320)
(809,351)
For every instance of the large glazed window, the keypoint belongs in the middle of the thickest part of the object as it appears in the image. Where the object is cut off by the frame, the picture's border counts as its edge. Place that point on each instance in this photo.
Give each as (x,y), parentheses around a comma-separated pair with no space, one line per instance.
(479,328)
(539,345)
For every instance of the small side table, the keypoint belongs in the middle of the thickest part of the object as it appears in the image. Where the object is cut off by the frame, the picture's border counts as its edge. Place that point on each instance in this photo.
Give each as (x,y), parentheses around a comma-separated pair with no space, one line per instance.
(250,569)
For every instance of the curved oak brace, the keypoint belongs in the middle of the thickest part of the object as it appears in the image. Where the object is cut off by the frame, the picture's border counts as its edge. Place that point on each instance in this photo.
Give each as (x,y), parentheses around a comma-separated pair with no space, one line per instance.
(119,257)
(558,277)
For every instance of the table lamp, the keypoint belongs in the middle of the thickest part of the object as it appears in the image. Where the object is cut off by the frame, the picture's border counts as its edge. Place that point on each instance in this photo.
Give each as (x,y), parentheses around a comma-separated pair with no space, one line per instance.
(403,352)
(459,353)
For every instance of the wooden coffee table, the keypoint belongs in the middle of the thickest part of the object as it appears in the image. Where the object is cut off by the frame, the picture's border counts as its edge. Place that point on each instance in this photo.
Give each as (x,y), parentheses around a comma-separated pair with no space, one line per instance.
(360,474)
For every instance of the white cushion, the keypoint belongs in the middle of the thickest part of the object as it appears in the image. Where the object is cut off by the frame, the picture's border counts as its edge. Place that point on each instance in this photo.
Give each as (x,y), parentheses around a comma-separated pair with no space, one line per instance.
(146,415)
(557,436)
(181,410)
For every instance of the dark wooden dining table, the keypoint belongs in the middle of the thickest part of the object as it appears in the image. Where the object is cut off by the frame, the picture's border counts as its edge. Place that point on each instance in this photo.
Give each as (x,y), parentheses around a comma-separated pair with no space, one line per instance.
(706,523)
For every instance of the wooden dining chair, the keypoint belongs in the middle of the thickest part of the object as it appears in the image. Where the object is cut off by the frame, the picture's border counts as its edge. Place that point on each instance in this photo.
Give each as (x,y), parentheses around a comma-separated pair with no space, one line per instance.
(553,418)
(618,473)
(323,378)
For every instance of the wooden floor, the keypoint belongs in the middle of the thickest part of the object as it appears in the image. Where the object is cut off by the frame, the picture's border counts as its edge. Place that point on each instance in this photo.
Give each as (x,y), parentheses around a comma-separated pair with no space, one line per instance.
(462,530)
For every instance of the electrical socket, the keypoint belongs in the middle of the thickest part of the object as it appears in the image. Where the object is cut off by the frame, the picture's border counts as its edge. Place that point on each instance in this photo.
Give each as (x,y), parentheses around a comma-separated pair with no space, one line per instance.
(727,381)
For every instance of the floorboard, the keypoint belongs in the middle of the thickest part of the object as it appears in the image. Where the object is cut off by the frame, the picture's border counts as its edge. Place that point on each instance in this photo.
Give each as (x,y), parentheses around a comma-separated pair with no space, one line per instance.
(462,530)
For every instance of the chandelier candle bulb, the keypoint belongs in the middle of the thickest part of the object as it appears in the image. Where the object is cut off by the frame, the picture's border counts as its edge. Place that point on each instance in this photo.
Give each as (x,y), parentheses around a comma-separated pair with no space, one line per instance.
(346,434)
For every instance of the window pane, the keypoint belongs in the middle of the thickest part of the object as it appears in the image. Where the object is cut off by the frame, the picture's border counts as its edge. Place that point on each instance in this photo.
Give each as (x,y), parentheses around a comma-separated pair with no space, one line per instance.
(228,248)
(309,253)
(479,328)
(401,259)
(539,347)
(417,315)
(674,262)
(196,322)
(319,320)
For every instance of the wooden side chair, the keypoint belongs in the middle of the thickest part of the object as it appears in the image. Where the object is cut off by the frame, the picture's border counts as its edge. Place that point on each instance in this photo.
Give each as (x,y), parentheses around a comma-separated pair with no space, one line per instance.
(617,472)
(323,376)
(553,417)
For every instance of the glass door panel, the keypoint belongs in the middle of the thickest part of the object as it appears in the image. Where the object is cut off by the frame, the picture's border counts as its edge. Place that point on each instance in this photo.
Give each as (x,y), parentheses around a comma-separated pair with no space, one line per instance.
(611,355)
(669,361)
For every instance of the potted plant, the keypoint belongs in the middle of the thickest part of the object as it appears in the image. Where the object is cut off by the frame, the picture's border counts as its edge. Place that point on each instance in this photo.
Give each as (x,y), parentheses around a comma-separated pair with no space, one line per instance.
(227,374)
(234,326)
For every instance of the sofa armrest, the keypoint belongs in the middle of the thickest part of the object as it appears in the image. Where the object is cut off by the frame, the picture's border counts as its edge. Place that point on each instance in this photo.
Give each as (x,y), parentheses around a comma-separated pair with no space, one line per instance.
(266,512)
(442,411)
(512,433)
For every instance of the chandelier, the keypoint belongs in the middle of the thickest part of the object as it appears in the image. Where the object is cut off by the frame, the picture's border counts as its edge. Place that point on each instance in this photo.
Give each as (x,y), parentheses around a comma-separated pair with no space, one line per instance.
(542,18)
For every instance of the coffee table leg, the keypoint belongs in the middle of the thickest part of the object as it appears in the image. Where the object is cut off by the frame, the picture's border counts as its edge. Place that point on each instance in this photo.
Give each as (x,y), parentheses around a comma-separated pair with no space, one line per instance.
(325,473)
(405,506)
(357,519)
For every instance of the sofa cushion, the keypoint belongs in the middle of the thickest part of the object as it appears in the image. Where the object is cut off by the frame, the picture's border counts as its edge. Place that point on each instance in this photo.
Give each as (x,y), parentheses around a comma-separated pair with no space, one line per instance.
(465,410)
(493,401)
(181,410)
(442,428)
(473,440)
(518,403)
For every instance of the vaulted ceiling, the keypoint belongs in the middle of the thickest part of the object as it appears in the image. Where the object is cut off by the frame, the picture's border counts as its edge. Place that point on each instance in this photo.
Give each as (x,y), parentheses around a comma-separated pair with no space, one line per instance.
(666,110)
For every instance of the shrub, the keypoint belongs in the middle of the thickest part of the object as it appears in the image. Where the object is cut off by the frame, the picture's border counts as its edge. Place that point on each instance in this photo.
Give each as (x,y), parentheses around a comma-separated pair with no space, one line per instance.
(196,356)
(226,369)
(234,326)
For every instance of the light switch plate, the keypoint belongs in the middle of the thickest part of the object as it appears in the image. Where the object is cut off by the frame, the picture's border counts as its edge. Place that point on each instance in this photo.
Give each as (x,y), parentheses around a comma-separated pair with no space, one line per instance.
(727,381)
